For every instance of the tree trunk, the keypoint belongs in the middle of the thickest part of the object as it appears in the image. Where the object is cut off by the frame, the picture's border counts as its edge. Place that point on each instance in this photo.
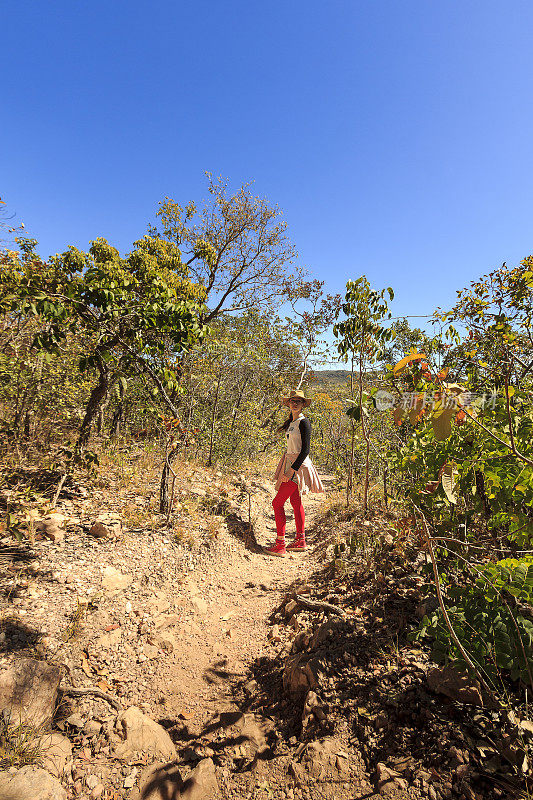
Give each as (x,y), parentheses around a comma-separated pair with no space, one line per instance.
(349,483)
(213,419)
(117,421)
(364,432)
(164,495)
(97,398)
(28,417)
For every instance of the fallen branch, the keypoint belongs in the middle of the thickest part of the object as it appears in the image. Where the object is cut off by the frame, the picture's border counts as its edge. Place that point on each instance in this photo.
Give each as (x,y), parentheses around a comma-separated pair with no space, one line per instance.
(316,605)
(70,691)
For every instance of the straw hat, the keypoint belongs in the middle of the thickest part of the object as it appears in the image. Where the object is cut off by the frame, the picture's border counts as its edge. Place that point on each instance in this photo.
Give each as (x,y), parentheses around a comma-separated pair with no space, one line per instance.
(296,395)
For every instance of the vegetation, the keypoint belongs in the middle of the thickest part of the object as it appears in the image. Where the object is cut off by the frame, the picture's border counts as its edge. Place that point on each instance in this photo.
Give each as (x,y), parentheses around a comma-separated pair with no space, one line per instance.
(188,342)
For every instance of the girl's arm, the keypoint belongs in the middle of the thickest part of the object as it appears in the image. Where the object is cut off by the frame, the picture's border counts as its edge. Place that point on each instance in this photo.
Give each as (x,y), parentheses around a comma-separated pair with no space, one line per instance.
(305,433)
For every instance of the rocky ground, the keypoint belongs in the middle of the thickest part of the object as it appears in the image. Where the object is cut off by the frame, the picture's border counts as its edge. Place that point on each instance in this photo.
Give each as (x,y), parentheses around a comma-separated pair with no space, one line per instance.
(184,662)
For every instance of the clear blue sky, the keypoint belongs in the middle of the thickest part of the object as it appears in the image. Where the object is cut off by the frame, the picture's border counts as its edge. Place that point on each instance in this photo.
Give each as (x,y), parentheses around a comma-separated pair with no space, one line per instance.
(396,135)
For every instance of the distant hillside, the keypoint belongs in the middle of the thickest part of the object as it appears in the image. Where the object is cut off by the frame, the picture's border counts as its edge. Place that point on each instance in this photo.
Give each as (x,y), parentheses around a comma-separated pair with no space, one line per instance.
(324,377)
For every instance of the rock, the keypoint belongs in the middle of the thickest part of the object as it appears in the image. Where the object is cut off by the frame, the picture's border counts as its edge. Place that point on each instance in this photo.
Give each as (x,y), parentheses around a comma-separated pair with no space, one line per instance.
(165,640)
(92,727)
(99,531)
(199,604)
(106,527)
(389,781)
(142,735)
(75,720)
(113,580)
(129,781)
(300,675)
(274,634)
(97,792)
(55,753)
(251,687)
(28,692)
(202,783)
(455,684)
(162,781)
(30,783)
(291,607)
(53,527)
(150,651)
(328,629)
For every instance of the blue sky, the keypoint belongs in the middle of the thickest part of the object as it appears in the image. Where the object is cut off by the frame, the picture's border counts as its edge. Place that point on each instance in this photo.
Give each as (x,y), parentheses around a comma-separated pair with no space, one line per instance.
(396,136)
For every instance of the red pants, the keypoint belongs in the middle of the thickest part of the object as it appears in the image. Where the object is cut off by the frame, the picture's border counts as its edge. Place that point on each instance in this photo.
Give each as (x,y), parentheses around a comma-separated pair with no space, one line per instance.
(286,490)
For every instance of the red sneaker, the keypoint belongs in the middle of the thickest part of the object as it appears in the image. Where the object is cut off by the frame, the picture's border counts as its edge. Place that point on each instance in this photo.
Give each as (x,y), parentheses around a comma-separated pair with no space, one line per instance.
(298,544)
(277,549)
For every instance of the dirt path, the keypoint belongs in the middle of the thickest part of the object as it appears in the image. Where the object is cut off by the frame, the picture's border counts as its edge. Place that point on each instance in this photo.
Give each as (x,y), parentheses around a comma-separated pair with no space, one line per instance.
(179,633)
(221,642)
(227,628)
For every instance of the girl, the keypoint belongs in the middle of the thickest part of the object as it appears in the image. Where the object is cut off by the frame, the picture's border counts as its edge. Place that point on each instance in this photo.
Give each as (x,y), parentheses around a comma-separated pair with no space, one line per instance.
(295,474)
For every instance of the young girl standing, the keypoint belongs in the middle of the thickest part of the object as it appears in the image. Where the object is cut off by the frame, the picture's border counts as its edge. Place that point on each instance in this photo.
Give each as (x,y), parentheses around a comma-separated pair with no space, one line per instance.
(295,474)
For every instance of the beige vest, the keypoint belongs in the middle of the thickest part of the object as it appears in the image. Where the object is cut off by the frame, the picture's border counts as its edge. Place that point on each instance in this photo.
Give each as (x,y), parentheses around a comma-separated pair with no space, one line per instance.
(294,437)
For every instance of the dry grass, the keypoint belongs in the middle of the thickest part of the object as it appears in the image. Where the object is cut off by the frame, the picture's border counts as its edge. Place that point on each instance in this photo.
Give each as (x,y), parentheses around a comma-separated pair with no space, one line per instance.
(19,744)
(73,627)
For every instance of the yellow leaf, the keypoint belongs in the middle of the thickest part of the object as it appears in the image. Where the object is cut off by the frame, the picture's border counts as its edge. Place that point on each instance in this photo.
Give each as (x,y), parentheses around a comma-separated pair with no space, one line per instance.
(416,411)
(442,424)
(407,360)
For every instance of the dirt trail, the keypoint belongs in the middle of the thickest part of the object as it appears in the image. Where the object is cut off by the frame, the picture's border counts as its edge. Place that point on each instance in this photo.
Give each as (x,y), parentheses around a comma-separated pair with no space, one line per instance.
(232,599)
(179,633)
(201,684)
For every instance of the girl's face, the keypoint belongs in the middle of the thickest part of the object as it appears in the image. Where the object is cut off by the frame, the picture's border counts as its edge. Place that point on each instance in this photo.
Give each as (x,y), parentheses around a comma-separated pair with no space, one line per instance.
(295,406)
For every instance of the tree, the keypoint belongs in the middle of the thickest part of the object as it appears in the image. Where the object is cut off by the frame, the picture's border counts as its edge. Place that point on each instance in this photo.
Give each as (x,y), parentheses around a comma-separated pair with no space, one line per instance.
(233,380)
(497,312)
(135,312)
(236,247)
(405,340)
(6,225)
(361,337)
(307,326)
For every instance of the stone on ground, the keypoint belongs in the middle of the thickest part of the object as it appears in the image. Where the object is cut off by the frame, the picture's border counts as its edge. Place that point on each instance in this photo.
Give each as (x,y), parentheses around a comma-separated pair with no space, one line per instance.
(55,753)
(199,604)
(300,675)
(52,527)
(30,783)
(28,692)
(113,580)
(142,735)
(106,527)
(457,685)
(389,782)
